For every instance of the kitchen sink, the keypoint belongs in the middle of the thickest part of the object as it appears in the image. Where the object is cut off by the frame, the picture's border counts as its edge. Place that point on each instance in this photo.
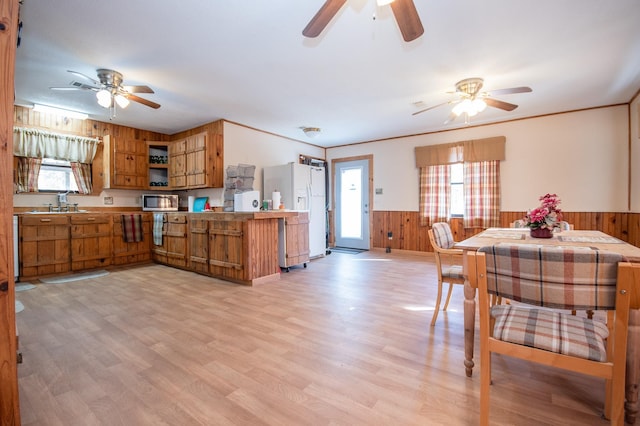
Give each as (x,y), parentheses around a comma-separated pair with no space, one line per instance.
(79,211)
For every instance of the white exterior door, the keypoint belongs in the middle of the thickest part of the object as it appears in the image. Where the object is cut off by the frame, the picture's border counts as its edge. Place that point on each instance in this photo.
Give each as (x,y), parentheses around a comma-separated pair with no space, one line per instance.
(352,204)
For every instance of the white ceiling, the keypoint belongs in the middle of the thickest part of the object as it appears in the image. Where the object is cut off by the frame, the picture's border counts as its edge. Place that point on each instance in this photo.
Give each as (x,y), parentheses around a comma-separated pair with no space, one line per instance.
(247,61)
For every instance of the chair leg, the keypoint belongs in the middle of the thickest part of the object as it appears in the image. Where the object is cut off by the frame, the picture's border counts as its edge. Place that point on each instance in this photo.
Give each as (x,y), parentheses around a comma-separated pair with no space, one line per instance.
(485,382)
(446,303)
(437,308)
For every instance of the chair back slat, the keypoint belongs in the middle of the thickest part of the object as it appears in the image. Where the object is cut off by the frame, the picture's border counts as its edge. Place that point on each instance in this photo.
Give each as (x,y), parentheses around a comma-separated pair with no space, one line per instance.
(555,277)
(442,235)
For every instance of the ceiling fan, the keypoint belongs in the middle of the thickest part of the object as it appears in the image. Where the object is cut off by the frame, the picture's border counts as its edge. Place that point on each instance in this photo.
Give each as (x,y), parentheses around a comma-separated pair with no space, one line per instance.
(472,101)
(110,90)
(404,11)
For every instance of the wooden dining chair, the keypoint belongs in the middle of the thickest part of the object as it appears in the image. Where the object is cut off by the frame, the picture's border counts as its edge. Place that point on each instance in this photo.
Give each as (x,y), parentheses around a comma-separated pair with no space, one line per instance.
(448,262)
(561,278)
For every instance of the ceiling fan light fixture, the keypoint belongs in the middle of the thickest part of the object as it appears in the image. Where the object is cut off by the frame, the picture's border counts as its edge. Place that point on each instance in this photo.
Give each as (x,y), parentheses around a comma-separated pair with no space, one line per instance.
(479,105)
(122,101)
(104,98)
(461,107)
(384,2)
(469,107)
(311,132)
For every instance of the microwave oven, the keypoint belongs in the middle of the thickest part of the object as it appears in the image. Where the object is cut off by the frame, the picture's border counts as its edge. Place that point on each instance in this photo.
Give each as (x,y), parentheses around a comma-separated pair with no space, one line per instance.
(159,202)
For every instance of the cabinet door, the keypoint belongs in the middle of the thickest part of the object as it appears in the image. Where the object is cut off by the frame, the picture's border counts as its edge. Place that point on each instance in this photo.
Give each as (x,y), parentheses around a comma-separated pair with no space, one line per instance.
(296,236)
(44,245)
(131,252)
(90,241)
(178,164)
(199,245)
(226,249)
(176,237)
(129,168)
(196,154)
(159,252)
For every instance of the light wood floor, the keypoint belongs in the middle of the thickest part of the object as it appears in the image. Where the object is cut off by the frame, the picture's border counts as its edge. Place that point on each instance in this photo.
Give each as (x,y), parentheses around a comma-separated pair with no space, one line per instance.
(345,341)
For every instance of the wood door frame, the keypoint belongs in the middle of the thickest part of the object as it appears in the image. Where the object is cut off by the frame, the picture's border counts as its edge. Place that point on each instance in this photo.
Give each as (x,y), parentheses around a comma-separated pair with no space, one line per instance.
(9,396)
(332,226)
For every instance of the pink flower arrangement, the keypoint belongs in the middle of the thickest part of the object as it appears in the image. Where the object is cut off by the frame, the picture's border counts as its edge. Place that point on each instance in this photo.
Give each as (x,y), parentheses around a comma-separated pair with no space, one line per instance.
(547,215)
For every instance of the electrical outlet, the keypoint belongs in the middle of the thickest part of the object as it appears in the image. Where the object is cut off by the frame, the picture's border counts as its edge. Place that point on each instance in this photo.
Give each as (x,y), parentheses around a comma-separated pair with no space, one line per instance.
(108,200)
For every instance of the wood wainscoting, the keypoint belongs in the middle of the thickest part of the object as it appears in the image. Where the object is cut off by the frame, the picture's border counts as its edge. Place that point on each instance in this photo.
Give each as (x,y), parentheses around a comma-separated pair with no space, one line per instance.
(407,234)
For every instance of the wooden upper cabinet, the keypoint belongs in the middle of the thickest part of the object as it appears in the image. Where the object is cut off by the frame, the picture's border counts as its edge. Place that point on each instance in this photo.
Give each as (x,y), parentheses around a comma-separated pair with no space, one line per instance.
(203,160)
(125,163)
(178,164)
(197,160)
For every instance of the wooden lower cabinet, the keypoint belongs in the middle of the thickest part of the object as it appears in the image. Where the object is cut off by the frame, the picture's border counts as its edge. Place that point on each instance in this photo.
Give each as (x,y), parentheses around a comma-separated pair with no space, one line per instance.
(159,251)
(125,253)
(198,244)
(44,245)
(243,247)
(293,240)
(173,250)
(90,241)
(226,249)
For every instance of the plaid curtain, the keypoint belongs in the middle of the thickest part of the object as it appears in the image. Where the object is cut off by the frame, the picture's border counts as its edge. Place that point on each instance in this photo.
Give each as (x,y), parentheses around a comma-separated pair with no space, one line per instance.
(482,194)
(28,171)
(82,174)
(435,194)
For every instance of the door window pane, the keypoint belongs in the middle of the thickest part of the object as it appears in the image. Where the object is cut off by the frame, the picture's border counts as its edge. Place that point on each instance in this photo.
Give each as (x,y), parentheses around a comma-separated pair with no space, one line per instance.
(351,207)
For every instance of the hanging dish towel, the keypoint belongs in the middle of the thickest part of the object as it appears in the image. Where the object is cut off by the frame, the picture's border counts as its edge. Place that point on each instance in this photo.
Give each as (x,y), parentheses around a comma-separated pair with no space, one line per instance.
(158,221)
(132,228)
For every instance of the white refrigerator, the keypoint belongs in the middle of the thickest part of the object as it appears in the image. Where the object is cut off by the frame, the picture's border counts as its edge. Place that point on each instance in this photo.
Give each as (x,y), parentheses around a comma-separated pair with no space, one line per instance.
(301,187)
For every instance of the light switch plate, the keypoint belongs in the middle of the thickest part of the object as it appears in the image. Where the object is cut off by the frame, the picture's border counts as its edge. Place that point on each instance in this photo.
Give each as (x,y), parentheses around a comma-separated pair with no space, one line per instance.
(378,191)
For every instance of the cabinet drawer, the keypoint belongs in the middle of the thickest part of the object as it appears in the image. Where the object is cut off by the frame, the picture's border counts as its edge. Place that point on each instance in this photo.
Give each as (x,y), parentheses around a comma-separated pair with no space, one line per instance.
(87,219)
(45,220)
(176,218)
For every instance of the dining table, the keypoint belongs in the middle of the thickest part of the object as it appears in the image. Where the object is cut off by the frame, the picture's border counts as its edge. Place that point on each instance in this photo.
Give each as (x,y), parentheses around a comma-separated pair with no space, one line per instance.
(583,238)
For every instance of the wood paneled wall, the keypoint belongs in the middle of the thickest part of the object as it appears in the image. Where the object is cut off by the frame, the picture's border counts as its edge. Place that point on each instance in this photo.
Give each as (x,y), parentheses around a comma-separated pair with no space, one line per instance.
(27,117)
(409,235)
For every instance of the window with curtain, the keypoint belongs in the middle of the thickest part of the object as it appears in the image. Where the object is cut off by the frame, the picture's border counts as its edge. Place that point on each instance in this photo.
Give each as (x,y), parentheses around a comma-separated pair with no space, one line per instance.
(31,146)
(481,176)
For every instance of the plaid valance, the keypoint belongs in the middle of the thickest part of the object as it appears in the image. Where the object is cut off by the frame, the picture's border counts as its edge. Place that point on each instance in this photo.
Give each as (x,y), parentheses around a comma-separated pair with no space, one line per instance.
(475,150)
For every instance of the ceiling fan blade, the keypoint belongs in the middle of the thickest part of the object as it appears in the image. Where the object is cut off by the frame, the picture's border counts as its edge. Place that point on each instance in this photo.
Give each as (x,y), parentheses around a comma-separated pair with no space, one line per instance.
(143,101)
(434,107)
(451,117)
(500,92)
(500,104)
(408,20)
(65,88)
(138,89)
(79,74)
(76,85)
(322,18)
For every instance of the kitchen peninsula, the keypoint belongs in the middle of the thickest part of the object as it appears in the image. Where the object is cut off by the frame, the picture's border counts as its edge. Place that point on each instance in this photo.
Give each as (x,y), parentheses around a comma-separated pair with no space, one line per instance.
(241,247)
